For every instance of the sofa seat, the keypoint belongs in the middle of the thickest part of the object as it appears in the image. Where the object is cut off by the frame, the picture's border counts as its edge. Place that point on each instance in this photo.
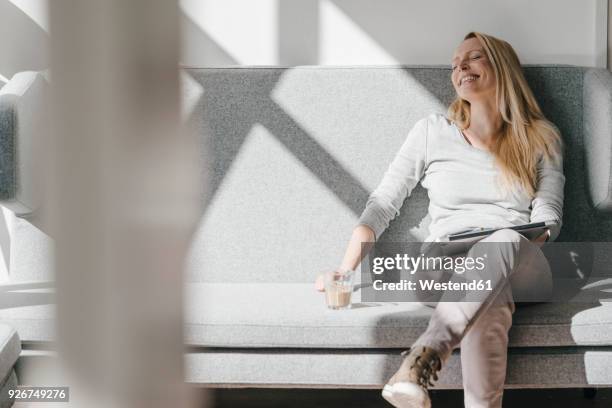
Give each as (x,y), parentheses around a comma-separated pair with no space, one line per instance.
(287,327)
(295,315)
(10,348)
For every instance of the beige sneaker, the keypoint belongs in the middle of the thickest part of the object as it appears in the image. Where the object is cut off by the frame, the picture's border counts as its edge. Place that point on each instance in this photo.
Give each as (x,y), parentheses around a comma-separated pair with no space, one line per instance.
(408,386)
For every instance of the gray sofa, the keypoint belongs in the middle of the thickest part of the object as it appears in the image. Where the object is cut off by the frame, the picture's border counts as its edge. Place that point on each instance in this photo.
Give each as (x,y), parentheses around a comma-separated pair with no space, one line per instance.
(10,347)
(290,156)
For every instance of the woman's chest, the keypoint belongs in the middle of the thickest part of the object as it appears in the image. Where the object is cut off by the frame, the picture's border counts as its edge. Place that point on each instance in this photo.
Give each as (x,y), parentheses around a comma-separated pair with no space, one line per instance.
(473,178)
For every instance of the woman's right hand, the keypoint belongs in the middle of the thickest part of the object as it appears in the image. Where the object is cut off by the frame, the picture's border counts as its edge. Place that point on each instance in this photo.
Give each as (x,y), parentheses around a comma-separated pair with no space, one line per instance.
(356,250)
(320,283)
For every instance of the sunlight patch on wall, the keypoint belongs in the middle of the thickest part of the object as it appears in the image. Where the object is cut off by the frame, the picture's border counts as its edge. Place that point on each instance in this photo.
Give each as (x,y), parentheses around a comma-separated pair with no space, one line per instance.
(343,42)
(37,10)
(246,30)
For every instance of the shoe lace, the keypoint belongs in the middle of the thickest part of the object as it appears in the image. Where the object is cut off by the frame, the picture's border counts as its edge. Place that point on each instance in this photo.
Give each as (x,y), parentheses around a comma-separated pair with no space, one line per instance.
(425,367)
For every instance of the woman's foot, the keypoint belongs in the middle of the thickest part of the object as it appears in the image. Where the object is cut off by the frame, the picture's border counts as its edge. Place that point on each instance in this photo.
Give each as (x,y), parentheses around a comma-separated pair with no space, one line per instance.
(408,386)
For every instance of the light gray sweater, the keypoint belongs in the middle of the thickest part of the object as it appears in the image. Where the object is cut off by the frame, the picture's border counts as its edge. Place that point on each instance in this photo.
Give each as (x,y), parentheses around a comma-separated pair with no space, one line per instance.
(462,183)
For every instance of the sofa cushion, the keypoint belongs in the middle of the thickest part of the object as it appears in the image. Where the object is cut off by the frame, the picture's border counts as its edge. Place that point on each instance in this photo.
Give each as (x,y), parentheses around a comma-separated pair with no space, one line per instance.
(22,137)
(598,136)
(10,348)
(9,383)
(295,315)
(531,368)
(244,315)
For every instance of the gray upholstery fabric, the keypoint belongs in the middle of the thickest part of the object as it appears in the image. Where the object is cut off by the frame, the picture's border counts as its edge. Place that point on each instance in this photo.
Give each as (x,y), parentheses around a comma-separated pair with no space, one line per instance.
(544,368)
(597,136)
(294,315)
(9,382)
(10,347)
(8,182)
(296,151)
(285,328)
(31,249)
(22,134)
(30,309)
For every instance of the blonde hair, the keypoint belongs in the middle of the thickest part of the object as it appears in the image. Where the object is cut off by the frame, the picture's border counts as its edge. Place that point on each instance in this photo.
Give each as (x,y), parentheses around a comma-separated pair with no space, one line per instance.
(526,135)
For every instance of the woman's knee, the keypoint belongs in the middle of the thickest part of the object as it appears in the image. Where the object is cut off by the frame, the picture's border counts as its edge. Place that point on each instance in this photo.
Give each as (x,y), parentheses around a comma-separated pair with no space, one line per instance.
(497,318)
(505,235)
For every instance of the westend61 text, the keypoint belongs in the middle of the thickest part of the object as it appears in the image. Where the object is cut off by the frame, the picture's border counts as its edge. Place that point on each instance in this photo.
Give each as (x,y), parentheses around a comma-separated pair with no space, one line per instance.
(430,284)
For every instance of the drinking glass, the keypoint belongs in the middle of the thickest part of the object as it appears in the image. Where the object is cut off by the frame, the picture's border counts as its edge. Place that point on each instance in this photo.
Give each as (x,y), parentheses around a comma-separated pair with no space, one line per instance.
(338,289)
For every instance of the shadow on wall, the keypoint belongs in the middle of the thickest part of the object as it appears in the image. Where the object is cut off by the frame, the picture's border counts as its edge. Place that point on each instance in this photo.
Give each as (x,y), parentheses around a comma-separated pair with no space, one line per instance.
(198,46)
(298,32)
(24,44)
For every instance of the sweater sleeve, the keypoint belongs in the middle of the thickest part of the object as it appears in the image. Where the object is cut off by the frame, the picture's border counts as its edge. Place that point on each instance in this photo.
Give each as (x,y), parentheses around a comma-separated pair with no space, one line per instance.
(400,178)
(547,204)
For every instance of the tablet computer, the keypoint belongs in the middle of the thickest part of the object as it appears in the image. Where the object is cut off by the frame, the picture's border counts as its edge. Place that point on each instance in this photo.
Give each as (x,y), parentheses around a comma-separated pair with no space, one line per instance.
(462,241)
(529,231)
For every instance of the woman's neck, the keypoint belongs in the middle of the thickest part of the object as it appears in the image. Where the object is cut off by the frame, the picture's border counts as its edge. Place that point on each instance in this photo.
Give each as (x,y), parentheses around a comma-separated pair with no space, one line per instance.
(485,122)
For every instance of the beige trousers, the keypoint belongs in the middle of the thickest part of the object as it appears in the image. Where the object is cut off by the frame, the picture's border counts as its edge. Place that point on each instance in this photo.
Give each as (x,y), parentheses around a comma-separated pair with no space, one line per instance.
(518,269)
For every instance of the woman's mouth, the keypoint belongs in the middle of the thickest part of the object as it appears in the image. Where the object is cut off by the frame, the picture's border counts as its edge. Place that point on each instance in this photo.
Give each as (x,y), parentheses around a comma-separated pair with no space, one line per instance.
(468,79)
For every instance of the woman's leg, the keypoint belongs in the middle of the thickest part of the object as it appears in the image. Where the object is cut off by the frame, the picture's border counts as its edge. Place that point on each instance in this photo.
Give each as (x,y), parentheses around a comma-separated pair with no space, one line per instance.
(503,251)
(484,352)
(481,326)
(484,347)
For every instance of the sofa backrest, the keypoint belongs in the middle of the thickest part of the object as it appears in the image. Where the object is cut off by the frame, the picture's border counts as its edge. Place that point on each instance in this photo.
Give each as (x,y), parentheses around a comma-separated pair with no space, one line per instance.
(293,153)
(22,134)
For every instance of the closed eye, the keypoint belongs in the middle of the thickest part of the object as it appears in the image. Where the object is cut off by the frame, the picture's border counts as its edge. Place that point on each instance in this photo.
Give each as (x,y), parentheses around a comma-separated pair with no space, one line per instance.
(473,58)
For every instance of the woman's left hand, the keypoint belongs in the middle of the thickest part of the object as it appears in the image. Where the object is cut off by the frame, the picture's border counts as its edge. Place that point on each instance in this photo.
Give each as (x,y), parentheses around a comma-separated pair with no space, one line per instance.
(542,238)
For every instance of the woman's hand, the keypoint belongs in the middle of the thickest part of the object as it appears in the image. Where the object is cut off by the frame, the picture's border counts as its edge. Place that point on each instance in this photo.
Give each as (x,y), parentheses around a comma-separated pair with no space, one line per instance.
(361,242)
(542,238)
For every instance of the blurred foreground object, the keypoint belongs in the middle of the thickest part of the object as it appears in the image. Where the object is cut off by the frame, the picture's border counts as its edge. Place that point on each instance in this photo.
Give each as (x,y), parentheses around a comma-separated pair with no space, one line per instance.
(122,200)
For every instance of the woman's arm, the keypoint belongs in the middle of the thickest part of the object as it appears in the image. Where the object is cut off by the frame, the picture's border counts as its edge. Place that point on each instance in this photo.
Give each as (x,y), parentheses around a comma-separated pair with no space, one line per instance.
(359,245)
(547,204)
(401,177)
(542,238)
(384,203)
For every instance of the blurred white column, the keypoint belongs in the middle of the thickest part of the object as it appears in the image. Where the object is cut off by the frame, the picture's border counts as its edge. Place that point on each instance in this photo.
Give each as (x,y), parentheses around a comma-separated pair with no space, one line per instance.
(123,200)
(609,27)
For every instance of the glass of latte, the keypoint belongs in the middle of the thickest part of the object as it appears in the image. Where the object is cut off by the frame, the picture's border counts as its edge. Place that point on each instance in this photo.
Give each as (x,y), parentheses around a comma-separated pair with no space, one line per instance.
(338,289)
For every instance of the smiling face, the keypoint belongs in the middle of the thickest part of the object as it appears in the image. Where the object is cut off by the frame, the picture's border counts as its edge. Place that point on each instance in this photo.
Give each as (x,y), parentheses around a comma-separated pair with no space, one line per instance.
(472,72)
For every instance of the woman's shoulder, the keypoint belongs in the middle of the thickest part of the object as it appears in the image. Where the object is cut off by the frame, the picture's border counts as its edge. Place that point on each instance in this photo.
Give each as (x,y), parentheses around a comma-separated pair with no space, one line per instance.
(436,124)
(438,120)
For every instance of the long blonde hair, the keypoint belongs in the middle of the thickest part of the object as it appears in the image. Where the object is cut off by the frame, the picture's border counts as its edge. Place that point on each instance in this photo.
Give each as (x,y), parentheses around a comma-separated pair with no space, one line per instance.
(526,136)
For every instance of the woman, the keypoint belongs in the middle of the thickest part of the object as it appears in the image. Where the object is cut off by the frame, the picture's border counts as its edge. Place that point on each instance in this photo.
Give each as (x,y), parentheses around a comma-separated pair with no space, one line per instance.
(495,161)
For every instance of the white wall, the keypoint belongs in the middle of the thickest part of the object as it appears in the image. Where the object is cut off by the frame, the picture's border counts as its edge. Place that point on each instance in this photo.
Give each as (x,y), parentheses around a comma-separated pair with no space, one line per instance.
(337,32)
(23,36)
